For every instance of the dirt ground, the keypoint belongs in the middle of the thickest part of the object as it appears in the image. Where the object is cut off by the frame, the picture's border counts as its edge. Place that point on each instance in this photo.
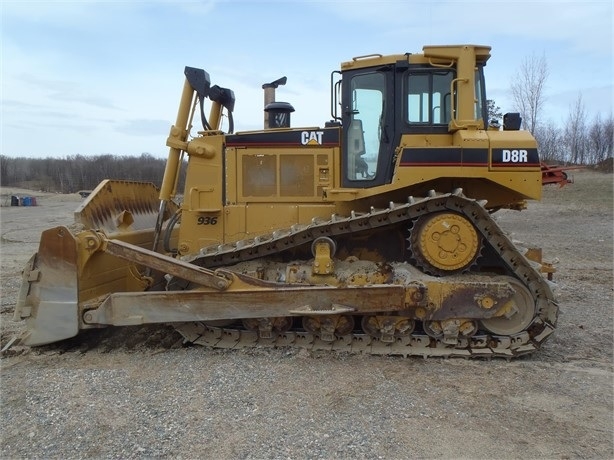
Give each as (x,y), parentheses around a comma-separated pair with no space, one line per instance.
(137,393)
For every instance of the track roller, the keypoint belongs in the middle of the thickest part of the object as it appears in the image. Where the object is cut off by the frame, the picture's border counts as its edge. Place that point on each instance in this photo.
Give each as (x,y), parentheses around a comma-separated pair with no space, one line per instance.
(267,328)
(329,326)
(387,328)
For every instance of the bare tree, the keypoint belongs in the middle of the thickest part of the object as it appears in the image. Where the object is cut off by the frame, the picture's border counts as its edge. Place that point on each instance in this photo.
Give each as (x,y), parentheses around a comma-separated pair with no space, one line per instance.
(5,164)
(528,90)
(549,138)
(608,134)
(576,138)
(596,141)
(600,138)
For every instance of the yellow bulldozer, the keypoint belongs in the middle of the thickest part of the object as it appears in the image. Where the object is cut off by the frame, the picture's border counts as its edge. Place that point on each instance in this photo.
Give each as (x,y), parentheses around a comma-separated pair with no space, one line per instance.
(372,233)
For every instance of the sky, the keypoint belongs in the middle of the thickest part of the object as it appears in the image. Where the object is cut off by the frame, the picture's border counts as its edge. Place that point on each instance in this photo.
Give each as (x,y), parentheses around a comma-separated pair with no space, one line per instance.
(104,77)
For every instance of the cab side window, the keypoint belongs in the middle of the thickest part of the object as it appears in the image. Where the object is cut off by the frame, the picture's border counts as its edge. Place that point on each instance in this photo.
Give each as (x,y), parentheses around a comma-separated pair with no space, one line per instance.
(428,97)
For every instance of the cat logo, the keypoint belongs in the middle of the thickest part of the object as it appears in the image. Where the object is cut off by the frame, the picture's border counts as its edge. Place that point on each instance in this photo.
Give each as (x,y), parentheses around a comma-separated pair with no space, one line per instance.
(312,137)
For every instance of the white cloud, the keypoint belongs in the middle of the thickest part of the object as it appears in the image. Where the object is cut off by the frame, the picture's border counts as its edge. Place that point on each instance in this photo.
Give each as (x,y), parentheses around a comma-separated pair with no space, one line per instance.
(103,74)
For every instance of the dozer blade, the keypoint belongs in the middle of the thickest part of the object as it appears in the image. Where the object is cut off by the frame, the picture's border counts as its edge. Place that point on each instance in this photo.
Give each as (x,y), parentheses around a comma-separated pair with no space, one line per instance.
(121,206)
(48,299)
(66,270)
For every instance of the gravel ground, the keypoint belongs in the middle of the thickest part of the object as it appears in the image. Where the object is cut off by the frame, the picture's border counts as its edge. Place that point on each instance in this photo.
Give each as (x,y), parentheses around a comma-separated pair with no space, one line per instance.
(138,393)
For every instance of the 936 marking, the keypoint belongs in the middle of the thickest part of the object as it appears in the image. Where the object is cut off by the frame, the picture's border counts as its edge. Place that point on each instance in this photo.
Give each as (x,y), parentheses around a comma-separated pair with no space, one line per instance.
(207,220)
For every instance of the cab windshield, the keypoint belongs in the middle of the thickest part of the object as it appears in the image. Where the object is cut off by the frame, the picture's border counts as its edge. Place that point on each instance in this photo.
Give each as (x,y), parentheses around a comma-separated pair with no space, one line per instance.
(365,125)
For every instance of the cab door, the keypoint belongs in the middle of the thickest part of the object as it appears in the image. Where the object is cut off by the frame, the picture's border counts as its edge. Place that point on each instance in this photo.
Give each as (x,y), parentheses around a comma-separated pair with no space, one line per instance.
(368,121)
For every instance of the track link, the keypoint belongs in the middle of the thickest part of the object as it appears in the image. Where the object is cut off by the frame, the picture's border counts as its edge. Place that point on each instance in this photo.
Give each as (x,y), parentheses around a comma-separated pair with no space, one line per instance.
(417,344)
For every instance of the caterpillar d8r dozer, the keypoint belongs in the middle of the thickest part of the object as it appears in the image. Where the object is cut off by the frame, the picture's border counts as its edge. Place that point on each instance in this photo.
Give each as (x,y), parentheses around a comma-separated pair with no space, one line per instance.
(371,234)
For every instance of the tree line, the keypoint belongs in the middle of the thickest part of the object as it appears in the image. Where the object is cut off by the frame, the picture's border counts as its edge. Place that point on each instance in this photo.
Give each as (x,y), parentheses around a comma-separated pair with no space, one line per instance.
(581,140)
(79,172)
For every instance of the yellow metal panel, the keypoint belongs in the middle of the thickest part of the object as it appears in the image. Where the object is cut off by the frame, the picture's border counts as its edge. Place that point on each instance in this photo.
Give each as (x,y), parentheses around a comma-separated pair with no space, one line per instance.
(234,223)
(296,175)
(231,176)
(284,174)
(259,175)
(463,160)
(470,139)
(201,218)
(265,217)
(307,212)
(204,176)
(200,229)
(262,217)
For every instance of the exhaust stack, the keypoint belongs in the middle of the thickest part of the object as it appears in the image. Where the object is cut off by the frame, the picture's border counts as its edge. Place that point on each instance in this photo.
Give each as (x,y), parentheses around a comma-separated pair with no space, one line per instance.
(276,114)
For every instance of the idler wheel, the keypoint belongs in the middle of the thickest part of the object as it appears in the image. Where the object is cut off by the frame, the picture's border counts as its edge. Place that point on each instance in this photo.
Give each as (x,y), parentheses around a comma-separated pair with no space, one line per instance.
(519,312)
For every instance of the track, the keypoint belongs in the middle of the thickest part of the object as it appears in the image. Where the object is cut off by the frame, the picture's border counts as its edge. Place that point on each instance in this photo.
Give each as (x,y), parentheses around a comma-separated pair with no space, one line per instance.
(418,343)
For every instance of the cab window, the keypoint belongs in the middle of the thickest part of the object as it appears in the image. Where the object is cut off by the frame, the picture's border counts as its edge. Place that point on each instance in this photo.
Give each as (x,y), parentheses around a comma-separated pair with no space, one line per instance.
(365,125)
(428,97)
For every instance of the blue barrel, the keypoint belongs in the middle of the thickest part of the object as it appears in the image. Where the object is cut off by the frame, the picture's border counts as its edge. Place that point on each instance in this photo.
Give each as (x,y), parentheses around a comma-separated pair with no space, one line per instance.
(26,201)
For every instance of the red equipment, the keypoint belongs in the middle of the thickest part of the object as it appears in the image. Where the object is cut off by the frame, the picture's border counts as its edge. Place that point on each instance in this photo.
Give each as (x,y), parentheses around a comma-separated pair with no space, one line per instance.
(557,174)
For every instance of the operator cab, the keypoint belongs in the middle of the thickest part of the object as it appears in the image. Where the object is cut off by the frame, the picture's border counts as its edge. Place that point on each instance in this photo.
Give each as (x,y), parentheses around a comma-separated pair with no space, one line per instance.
(380,101)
